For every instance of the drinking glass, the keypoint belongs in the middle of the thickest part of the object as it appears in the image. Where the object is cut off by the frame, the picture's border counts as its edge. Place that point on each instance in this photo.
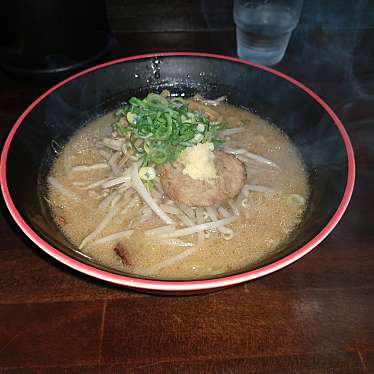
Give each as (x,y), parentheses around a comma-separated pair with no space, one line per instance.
(264,28)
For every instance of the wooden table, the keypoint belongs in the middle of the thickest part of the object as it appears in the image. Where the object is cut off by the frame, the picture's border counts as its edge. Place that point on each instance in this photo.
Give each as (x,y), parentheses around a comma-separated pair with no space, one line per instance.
(315,316)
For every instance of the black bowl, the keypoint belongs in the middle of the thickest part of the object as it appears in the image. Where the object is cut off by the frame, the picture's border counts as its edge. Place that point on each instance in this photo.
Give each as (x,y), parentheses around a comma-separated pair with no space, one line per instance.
(56,115)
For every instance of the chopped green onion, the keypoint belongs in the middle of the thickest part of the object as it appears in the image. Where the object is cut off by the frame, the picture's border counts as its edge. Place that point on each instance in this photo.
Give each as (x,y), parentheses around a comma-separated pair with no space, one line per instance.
(147,173)
(295,199)
(160,128)
(130,117)
(156,100)
(198,138)
(200,127)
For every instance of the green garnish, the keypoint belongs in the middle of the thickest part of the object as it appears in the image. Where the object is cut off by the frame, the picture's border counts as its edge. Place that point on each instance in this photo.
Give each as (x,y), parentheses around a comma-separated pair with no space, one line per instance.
(147,173)
(159,128)
(295,199)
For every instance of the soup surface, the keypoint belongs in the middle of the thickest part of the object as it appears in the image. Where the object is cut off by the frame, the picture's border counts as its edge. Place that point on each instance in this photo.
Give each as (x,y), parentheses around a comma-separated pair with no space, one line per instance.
(109,220)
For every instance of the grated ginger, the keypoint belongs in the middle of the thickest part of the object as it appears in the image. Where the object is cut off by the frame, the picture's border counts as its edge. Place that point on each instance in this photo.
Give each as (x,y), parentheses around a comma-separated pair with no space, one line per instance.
(198,161)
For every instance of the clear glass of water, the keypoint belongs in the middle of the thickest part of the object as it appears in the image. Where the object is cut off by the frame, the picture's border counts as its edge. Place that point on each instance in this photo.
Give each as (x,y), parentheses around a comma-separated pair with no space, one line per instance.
(264,28)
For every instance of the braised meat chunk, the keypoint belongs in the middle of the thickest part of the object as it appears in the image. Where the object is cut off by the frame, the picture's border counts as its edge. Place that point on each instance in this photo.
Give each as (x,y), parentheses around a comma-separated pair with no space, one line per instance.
(230,179)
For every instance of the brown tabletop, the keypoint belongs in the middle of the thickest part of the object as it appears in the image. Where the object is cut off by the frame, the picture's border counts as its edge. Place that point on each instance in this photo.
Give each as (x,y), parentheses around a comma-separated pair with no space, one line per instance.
(314,316)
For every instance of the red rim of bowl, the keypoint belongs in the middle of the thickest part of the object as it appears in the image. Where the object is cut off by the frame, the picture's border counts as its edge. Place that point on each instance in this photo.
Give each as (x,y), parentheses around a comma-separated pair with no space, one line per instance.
(196,285)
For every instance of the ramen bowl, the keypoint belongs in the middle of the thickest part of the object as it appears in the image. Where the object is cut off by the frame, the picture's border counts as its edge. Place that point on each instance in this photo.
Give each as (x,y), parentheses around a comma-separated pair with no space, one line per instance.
(55,116)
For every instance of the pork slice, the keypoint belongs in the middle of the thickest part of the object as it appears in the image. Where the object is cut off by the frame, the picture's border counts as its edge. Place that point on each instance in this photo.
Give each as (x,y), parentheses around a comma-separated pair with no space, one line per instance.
(231,176)
(210,113)
(122,252)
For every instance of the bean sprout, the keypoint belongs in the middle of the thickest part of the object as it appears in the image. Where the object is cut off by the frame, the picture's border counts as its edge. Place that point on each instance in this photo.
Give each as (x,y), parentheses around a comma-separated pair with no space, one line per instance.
(115,236)
(212,212)
(200,220)
(170,209)
(67,161)
(98,166)
(142,191)
(115,144)
(204,226)
(169,261)
(173,242)
(91,185)
(252,156)
(234,207)
(256,188)
(233,131)
(100,227)
(223,212)
(106,202)
(190,213)
(113,163)
(160,230)
(116,181)
(62,189)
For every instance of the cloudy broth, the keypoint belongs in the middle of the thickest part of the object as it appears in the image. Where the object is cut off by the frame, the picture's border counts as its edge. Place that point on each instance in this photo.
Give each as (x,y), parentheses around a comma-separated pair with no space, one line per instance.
(267,216)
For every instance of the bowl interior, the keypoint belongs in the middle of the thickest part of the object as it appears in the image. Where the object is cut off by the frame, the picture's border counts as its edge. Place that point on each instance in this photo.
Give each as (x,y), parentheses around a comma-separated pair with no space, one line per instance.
(76,102)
